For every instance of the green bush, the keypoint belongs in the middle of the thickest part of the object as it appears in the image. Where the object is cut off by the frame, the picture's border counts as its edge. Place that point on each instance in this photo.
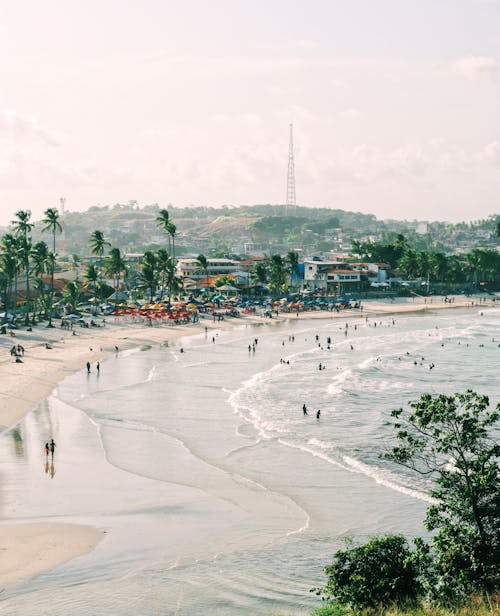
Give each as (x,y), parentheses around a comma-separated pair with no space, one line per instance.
(382,572)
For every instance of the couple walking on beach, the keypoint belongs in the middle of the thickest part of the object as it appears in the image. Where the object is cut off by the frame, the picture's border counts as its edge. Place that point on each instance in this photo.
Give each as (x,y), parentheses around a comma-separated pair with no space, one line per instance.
(50,448)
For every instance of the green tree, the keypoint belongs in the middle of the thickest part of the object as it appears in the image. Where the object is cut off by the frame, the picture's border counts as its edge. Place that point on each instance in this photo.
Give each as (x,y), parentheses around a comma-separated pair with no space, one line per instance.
(163,221)
(449,438)
(381,573)
(92,278)
(276,274)
(9,266)
(98,244)
(42,260)
(148,279)
(72,294)
(75,264)
(114,266)
(408,263)
(168,227)
(201,265)
(52,224)
(224,280)
(292,259)
(22,229)
(483,265)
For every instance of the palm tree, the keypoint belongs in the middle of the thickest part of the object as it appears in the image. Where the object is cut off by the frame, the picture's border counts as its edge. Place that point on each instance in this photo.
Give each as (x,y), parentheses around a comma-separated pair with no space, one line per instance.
(292,259)
(115,265)
(71,294)
(22,229)
(259,274)
(43,262)
(51,222)
(163,221)
(75,263)
(163,266)
(277,276)
(148,280)
(98,244)
(408,263)
(172,230)
(483,263)
(92,277)
(201,265)
(9,265)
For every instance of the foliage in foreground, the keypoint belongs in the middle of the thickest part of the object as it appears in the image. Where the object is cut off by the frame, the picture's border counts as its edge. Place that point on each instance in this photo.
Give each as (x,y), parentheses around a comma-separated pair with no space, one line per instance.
(474,607)
(447,438)
(384,571)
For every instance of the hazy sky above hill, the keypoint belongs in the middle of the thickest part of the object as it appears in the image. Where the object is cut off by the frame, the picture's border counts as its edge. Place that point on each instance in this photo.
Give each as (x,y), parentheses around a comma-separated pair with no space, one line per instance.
(395,104)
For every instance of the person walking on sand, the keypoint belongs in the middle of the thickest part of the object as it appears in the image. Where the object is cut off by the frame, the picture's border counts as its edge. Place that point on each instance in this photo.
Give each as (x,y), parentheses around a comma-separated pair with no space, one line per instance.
(52,446)
(88,367)
(47,449)
(98,367)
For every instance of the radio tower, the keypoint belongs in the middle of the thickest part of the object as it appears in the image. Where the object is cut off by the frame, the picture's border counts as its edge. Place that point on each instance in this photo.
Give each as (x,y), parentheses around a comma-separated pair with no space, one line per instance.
(62,243)
(290,183)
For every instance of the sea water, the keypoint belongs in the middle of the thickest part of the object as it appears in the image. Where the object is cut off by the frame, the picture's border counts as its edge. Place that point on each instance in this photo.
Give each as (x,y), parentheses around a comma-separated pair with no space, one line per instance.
(214,492)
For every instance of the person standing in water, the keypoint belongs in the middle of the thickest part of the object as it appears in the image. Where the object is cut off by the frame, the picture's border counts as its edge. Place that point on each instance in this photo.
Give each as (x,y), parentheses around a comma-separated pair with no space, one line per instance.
(52,447)
(318,414)
(304,409)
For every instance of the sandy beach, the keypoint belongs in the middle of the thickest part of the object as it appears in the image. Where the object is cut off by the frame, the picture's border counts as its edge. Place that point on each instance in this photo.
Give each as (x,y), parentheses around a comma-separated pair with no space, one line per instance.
(28,549)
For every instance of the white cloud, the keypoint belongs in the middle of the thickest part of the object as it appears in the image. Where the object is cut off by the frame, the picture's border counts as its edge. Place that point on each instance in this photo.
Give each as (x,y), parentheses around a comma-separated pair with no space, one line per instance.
(477,67)
(490,153)
(20,127)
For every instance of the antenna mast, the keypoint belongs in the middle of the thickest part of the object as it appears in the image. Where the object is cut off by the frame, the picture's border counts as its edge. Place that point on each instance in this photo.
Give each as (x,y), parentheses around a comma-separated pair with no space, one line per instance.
(290,184)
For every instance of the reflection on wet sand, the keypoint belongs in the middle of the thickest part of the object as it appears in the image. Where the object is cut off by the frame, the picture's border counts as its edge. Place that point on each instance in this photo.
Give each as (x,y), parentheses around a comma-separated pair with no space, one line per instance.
(50,468)
(18,442)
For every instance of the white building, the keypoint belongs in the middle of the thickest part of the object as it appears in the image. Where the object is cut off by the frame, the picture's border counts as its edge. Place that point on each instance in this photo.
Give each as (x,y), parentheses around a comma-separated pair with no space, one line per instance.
(188,268)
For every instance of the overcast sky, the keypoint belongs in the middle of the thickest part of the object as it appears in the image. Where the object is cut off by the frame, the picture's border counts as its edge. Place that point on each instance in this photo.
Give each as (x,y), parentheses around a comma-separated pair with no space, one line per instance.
(395,104)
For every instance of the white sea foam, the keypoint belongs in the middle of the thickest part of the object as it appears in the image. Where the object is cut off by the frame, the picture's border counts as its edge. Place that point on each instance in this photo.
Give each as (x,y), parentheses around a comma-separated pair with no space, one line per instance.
(384,478)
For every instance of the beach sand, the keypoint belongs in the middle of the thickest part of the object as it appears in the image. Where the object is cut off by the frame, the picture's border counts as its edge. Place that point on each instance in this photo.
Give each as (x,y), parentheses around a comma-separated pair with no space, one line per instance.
(28,549)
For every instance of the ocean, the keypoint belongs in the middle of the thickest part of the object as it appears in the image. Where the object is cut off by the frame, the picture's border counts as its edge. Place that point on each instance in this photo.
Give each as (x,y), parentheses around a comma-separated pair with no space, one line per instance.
(215,493)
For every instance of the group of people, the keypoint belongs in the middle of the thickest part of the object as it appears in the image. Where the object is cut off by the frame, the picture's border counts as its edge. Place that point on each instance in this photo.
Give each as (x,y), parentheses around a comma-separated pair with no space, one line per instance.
(17,351)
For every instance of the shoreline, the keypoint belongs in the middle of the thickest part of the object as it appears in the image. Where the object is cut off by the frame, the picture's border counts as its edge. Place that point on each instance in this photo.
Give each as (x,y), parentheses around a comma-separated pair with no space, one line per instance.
(29,383)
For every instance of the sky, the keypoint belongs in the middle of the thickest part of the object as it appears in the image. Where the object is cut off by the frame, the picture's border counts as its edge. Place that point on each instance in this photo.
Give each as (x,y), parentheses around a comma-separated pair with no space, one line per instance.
(395,104)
